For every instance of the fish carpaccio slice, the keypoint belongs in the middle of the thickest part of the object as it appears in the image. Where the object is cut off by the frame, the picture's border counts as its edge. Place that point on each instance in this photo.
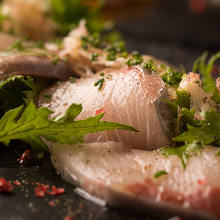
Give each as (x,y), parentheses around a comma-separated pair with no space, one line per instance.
(124,177)
(129,95)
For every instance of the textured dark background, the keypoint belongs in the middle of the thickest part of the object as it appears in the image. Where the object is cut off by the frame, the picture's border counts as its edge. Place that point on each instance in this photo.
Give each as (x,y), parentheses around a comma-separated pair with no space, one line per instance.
(168,31)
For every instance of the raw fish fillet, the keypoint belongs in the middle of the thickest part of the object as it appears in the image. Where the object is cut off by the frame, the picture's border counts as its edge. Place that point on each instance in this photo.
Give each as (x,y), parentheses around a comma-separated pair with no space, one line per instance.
(124,177)
(129,95)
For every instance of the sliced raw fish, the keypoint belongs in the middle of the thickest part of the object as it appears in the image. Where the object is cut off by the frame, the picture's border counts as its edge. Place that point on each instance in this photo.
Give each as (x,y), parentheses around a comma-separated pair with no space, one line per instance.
(124,177)
(129,95)
(38,66)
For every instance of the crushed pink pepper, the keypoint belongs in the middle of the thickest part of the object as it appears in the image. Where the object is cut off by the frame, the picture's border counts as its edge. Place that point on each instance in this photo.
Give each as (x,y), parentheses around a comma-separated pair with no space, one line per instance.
(5,186)
(198,6)
(17,182)
(42,189)
(68,218)
(201,181)
(26,156)
(99,111)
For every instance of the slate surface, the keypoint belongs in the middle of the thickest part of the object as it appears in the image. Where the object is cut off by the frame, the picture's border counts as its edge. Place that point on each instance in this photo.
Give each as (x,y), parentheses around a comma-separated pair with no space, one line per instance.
(171,33)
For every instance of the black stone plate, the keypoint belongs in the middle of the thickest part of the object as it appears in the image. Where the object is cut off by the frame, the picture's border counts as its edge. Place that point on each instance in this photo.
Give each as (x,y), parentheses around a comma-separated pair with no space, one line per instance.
(168,31)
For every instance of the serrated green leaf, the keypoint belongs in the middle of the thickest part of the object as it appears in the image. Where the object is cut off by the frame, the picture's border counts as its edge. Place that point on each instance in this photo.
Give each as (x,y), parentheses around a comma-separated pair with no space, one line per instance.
(205,70)
(183,152)
(207,133)
(34,124)
(72,112)
(12,92)
(172,78)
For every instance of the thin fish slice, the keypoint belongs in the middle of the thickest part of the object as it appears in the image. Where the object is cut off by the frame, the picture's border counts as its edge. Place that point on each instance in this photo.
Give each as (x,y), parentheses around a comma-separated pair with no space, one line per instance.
(38,66)
(124,177)
(128,95)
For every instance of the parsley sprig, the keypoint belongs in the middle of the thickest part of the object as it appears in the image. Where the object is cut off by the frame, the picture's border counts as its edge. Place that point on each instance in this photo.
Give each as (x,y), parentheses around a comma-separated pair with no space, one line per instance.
(33,124)
(205,67)
(194,134)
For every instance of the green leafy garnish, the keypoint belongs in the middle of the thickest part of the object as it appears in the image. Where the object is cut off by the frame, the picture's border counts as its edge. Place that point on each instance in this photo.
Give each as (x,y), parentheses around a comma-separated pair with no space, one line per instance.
(99,83)
(150,66)
(173,78)
(94,57)
(13,91)
(183,152)
(33,124)
(205,69)
(160,173)
(135,60)
(207,133)
(194,133)
(68,13)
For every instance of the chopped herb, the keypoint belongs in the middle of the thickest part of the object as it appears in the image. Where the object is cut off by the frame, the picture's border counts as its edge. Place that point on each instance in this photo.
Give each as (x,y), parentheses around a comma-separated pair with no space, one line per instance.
(55,60)
(183,152)
(102,74)
(109,76)
(162,66)
(124,54)
(40,45)
(160,173)
(47,96)
(84,45)
(99,83)
(72,79)
(172,78)
(111,56)
(136,60)
(94,56)
(150,66)
(18,45)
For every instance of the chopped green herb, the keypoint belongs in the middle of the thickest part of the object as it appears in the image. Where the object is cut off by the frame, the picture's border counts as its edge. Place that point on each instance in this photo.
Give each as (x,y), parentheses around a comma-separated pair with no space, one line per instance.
(94,57)
(72,79)
(172,78)
(109,76)
(99,83)
(150,66)
(124,54)
(55,60)
(47,96)
(40,45)
(111,56)
(162,66)
(102,74)
(135,60)
(160,173)
(183,152)
(18,45)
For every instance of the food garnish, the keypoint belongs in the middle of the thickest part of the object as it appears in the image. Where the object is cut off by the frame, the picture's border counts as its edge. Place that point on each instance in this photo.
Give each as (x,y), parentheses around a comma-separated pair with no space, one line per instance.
(30,124)
(5,186)
(160,173)
(195,131)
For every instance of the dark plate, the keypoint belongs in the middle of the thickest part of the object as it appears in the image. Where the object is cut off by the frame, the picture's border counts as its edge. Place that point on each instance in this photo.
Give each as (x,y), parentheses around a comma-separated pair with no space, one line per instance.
(169,32)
